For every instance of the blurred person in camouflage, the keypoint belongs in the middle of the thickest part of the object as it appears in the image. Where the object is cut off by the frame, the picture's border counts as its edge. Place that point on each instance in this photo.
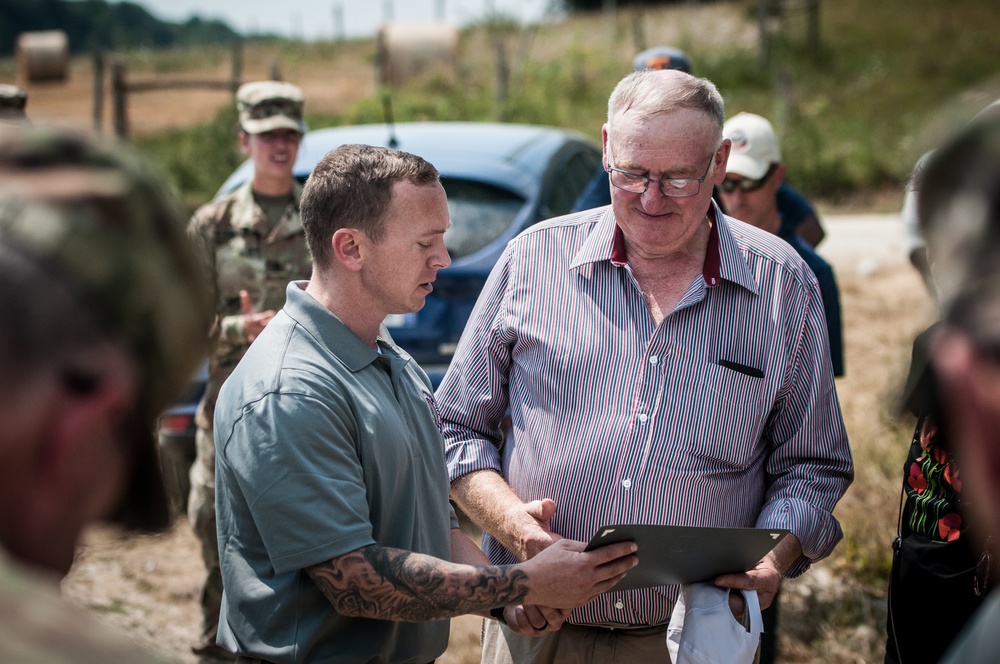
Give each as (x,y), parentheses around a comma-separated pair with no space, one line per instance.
(105,316)
(253,242)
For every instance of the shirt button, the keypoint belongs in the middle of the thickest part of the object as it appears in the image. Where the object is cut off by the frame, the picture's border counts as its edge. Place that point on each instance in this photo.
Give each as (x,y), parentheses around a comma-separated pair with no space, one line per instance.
(643,417)
(627,484)
(653,359)
(619,604)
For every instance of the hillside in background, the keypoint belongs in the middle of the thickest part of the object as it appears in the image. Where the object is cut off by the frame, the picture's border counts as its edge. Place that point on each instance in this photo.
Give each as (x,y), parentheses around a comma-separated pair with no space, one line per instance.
(855,102)
(96,24)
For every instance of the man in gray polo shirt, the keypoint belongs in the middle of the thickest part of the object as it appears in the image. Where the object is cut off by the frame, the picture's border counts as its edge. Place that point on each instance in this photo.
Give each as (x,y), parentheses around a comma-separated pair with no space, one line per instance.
(335,531)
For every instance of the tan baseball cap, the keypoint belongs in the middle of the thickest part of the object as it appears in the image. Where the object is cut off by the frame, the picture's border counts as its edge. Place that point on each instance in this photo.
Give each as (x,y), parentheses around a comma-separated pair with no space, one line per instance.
(268,105)
(755,145)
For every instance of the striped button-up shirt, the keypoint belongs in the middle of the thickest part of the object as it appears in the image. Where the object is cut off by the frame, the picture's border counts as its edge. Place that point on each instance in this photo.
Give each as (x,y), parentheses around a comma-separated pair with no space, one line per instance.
(724,415)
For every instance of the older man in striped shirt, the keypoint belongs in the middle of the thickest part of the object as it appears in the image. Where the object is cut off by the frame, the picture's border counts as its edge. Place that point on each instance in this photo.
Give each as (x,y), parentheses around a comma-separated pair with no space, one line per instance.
(661,363)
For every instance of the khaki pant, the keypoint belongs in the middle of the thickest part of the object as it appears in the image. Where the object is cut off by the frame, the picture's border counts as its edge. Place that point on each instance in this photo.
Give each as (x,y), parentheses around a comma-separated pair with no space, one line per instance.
(575,645)
(201,513)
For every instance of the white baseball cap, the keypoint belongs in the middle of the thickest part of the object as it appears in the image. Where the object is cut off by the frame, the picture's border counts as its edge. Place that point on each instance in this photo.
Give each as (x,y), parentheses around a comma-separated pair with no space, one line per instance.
(755,146)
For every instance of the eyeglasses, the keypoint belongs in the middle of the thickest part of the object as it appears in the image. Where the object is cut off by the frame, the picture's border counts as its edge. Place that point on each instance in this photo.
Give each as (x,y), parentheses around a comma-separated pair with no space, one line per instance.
(746,185)
(670,187)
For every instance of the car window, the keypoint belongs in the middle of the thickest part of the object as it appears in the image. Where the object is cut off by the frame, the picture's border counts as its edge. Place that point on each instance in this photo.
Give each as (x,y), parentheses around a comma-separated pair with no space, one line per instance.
(569,182)
(480,213)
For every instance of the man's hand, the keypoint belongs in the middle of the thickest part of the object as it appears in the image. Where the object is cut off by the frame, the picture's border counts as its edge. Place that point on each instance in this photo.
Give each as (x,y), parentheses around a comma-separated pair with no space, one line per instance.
(254,322)
(522,527)
(764,577)
(532,620)
(537,536)
(565,577)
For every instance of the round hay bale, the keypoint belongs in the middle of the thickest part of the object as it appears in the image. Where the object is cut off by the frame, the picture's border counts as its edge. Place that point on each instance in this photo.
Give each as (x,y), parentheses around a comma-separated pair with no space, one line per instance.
(406,50)
(42,56)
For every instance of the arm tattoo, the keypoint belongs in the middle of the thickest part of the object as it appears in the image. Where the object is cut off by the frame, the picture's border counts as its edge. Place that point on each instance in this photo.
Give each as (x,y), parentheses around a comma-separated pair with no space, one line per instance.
(392,584)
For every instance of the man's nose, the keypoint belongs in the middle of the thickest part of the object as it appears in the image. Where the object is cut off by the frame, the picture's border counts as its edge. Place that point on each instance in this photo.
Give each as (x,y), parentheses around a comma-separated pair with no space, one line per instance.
(653,197)
(441,259)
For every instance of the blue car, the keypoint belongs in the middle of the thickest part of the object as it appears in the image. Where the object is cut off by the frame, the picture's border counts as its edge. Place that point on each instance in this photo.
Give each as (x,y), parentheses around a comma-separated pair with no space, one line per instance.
(500,179)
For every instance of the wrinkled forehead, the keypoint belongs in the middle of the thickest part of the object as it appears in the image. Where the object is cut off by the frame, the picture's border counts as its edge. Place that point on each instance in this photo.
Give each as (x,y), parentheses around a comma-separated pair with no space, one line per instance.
(684,134)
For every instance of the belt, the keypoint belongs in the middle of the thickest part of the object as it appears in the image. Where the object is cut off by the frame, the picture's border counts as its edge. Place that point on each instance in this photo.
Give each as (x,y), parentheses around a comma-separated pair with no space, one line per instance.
(243,659)
(629,630)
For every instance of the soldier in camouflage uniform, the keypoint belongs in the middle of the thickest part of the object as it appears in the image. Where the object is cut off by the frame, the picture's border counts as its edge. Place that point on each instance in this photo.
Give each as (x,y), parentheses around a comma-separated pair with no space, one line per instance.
(105,316)
(253,242)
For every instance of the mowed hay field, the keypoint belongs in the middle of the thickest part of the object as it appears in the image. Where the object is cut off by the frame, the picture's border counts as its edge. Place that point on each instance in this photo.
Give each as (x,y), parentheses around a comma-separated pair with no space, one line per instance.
(332,80)
(149,585)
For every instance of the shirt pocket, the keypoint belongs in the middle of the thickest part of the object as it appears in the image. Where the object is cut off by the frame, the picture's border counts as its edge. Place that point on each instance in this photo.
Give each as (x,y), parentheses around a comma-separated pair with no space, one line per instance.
(729,415)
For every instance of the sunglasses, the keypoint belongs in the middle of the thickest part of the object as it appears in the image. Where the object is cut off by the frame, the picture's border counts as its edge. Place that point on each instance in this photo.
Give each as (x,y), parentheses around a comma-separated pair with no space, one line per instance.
(746,185)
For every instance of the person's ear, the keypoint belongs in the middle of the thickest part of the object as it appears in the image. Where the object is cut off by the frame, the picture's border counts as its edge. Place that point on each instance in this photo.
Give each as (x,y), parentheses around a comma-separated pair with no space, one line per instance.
(604,146)
(778,176)
(347,247)
(79,419)
(721,158)
(75,473)
(244,142)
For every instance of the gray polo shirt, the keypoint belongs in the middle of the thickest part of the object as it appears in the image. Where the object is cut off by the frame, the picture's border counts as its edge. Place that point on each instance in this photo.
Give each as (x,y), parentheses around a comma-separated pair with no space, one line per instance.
(324,446)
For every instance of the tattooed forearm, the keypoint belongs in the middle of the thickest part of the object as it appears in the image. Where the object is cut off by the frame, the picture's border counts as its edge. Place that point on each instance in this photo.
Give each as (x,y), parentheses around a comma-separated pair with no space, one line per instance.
(392,584)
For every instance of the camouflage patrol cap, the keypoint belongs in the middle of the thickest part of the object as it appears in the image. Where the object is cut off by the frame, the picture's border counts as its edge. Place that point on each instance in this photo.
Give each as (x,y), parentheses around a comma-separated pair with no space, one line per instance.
(268,105)
(105,228)
(12,102)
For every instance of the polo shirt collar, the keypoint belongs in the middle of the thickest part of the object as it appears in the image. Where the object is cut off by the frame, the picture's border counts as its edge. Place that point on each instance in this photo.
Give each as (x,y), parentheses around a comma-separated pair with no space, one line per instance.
(331,331)
(723,258)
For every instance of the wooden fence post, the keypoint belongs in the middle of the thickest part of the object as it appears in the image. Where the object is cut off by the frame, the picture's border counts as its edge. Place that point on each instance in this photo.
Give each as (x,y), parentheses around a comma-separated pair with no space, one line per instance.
(764,55)
(98,92)
(503,76)
(237,66)
(812,32)
(119,98)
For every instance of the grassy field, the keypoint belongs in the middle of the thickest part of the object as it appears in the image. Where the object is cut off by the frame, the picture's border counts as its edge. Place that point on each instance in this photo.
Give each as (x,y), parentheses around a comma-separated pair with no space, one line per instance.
(887,80)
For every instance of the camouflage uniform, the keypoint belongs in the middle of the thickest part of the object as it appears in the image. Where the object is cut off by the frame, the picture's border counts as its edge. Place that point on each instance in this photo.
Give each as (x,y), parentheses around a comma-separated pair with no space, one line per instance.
(98,225)
(38,625)
(243,253)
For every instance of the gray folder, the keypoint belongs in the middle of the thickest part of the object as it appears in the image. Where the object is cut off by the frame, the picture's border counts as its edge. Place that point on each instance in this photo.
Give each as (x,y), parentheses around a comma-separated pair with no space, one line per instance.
(687,554)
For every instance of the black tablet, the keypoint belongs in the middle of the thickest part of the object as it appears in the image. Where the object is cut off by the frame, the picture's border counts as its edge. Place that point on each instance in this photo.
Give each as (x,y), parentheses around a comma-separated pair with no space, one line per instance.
(686,554)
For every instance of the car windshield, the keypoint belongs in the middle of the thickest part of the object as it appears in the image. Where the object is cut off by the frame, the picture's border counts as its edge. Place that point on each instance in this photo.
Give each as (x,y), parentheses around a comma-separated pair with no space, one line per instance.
(480,213)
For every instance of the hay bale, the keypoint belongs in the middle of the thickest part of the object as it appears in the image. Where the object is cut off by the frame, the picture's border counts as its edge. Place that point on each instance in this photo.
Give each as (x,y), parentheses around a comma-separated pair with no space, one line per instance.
(42,56)
(406,50)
